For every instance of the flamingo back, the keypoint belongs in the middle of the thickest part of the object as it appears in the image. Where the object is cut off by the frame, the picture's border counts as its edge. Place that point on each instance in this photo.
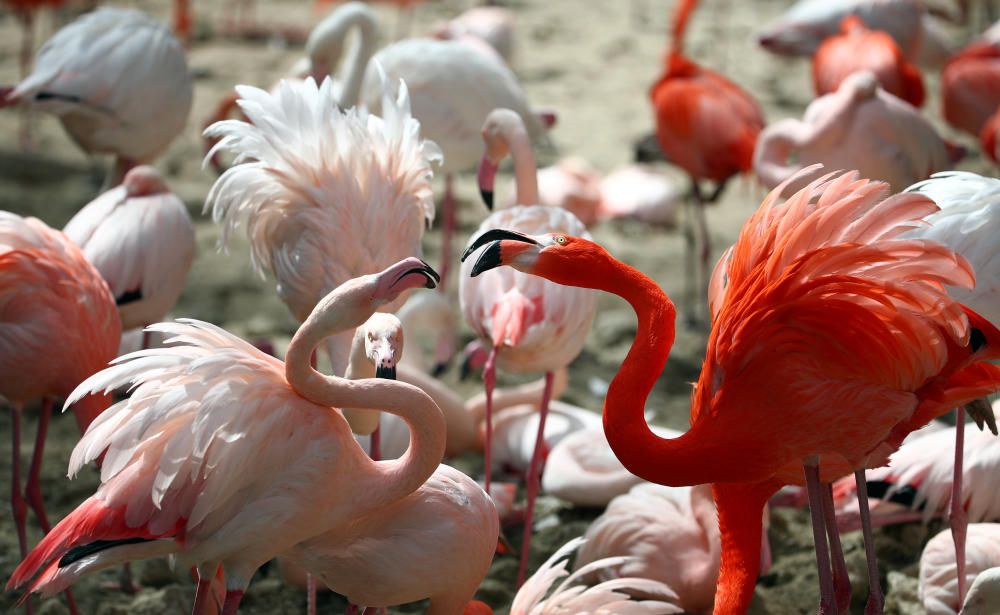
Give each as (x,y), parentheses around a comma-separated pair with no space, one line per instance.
(58,322)
(938,588)
(550,320)
(118,80)
(970,87)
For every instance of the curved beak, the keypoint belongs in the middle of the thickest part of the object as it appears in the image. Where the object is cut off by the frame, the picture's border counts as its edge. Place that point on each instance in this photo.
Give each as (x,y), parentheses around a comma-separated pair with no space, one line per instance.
(486,178)
(385,360)
(493,257)
(424,270)
(495,234)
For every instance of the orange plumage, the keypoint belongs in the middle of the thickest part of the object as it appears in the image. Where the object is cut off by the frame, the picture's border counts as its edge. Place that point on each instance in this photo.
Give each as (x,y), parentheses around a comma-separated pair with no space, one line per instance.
(970,87)
(858,48)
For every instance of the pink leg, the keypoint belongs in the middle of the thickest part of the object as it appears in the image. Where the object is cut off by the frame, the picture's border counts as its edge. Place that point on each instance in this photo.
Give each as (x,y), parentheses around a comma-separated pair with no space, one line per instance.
(33,489)
(311,592)
(534,479)
(827,604)
(17,502)
(959,519)
(202,594)
(876,600)
(841,580)
(490,381)
(376,445)
(447,230)
(232,603)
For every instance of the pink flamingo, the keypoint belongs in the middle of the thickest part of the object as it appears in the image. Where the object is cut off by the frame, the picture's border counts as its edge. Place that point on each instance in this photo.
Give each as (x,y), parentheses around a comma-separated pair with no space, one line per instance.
(533,325)
(939,586)
(860,126)
(197,474)
(984,594)
(970,87)
(140,237)
(858,48)
(493,25)
(323,195)
(58,325)
(637,191)
(436,543)
(515,430)
(94,75)
(670,535)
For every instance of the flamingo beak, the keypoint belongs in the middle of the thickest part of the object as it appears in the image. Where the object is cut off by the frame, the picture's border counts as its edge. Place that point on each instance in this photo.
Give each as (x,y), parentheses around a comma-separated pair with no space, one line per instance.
(486,178)
(493,256)
(432,278)
(385,360)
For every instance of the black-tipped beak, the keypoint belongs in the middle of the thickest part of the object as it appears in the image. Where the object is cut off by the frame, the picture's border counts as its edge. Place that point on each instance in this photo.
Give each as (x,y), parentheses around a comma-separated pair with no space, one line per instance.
(487,198)
(439,368)
(465,370)
(495,234)
(425,270)
(489,259)
(389,373)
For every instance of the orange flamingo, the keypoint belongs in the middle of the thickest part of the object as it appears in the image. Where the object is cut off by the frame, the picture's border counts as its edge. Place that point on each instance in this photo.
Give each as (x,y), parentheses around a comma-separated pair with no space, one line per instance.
(58,325)
(970,87)
(988,137)
(707,125)
(780,389)
(858,48)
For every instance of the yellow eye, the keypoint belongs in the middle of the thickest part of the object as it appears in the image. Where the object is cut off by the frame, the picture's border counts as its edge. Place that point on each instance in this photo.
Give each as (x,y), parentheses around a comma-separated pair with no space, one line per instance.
(559,239)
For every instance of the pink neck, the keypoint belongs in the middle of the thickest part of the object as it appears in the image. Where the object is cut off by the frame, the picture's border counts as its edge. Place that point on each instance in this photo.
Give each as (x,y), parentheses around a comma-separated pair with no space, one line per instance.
(525,169)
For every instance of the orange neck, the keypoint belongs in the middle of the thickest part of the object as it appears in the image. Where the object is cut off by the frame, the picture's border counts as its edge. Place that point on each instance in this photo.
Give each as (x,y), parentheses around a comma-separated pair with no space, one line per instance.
(741,508)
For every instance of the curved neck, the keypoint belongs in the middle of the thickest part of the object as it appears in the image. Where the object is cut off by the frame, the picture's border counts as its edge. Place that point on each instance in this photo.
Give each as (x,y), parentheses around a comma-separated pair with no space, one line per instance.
(396,478)
(525,169)
(326,43)
(740,508)
(771,164)
(363,421)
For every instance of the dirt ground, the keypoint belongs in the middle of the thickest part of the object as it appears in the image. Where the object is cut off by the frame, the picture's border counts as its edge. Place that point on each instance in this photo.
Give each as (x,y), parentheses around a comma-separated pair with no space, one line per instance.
(591,61)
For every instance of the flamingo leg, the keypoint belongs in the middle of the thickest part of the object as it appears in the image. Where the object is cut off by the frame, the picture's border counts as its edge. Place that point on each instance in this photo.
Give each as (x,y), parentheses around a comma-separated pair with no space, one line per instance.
(447,230)
(489,381)
(534,479)
(841,580)
(17,502)
(815,488)
(690,284)
(232,603)
(876,601)
(706,252)
(958,517)
(202,594)
(33,490)
(311,586)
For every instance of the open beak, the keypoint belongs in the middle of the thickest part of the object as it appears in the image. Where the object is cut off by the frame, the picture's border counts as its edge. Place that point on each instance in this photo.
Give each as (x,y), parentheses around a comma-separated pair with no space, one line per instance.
(486,178)
(432,278)
(492,257)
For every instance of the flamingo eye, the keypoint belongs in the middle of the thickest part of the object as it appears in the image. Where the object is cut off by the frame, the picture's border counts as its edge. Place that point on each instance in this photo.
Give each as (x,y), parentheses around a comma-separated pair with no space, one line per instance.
(559,239)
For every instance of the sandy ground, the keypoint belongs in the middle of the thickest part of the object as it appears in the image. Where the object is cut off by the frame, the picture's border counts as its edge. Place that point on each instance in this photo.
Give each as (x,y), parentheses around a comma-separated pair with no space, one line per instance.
(593,62)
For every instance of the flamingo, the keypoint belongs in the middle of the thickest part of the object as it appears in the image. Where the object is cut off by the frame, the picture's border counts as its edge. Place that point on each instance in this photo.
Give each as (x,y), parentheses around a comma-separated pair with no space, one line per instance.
(938,589)
(436,543)
(861,126)
(515,431)
(706,125)
(493,25)
(140,237)
(636,191)
(94,75)
(670,535)
(192,467)
(804,26)
(574,185)
(533,325)
(537,596)
(858,48)
(984,595)
(840,404)
(970,87)
(323,195)
(58,325)
(988,137)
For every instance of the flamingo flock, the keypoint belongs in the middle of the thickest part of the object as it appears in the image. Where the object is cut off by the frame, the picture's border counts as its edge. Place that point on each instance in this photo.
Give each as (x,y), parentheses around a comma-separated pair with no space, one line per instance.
(858,304)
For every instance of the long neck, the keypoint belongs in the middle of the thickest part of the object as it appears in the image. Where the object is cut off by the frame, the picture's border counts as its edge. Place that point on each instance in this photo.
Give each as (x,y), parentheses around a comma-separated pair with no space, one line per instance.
(740,508)
(771,162)
(363,421)
(705,453)
(396,478)
(326,43)
(682,14)
(525,169)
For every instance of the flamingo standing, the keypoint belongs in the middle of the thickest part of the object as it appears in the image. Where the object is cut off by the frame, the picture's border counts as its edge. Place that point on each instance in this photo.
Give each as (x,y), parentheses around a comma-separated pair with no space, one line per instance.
(859,126)
(96,76)
(670,535)
(140,237)
(938,589)
(970,87)
(436,543)
(58,325)
(193,465)
(533,325)
(706,125)
(323,195)
(780,390)
(858,48)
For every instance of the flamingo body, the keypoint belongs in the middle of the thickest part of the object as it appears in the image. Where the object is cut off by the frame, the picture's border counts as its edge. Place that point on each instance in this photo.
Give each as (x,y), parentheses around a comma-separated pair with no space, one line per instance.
(493,25)
(938,589)
(970,87)
(140,237)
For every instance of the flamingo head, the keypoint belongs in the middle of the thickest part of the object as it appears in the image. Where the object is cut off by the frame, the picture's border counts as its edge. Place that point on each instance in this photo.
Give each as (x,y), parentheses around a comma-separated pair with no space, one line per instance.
(384,343)
(408,273)
(144,180)
(497,123)
(560,258)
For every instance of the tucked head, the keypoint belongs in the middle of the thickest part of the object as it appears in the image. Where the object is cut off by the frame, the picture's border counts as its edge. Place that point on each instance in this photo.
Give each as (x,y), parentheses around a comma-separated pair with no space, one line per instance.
(144,180)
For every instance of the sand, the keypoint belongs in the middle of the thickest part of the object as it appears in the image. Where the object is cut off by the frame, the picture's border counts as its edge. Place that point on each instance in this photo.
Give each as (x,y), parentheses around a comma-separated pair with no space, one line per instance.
(591,61)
